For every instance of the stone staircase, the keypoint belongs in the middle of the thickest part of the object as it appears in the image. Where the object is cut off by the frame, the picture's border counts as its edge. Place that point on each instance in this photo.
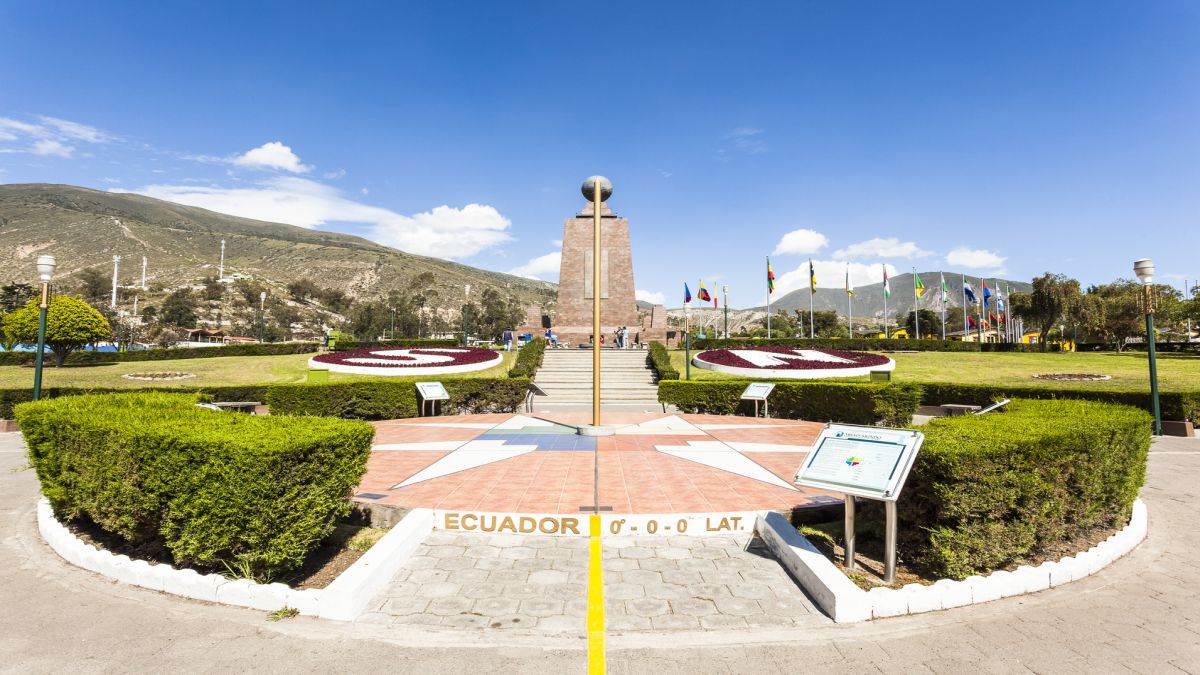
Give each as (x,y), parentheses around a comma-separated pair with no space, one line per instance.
(626,380)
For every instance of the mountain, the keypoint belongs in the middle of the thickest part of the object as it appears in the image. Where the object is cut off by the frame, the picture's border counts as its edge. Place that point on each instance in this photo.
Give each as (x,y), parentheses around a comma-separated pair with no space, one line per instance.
(85,228)
(868,300)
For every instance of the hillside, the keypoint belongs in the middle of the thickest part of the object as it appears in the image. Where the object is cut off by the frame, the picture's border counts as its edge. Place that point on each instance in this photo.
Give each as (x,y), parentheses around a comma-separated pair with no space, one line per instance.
(85,228)
(868,300)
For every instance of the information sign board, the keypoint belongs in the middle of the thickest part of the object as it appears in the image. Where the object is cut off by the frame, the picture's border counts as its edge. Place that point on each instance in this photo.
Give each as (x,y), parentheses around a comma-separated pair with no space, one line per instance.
(432,391)
(758,391)
(861,461)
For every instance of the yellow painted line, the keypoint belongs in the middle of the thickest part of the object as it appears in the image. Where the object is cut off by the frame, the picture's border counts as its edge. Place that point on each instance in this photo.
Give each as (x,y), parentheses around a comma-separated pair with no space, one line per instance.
(595,597)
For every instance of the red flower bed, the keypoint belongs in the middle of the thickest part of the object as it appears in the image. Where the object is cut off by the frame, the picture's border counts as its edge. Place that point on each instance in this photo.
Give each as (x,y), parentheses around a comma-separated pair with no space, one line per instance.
(379,358)
(727,357)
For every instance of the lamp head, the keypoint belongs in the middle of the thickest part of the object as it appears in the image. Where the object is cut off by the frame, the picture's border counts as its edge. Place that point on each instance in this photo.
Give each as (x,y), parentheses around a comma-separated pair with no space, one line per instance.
(262,295)
(467,290)
(1144,269)
(45,267)
(589,188)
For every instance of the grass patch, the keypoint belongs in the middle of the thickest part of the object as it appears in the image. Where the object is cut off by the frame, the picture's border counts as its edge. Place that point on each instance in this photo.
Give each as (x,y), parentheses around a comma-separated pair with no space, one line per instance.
(283,613)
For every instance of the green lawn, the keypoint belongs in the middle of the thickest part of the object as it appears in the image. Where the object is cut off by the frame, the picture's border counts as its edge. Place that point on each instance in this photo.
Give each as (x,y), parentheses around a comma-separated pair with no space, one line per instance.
(226,370)
(1129,370)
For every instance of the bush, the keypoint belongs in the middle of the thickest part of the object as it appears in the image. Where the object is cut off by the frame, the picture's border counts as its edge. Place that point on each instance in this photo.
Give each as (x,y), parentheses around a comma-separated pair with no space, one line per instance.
(170,353)
(529,359)
(71,323)
(988,491)
(375,400)
(660,361)
(849,403)
(347,342)
(217,490)
(1175,405)
(251,392)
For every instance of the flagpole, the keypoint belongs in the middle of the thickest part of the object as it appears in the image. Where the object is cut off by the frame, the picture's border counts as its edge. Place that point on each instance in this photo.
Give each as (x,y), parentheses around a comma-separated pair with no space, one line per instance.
(945,296)
(979,324)
(885,297)
(850,303)
(966,328)
(916,307)
(768,297)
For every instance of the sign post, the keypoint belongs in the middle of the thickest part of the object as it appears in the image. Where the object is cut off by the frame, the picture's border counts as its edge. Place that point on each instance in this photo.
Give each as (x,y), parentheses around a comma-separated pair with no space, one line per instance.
(430,392)
(863,462)
(758,391)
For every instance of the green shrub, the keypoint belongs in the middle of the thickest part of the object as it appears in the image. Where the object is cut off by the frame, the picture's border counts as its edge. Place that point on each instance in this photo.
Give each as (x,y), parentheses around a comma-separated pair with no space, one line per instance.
(660,360)
(529,359)
(84,358)
(1175,405)
(385,400)
(992,490)
(248,392)
(846,402)
(346,342)
(217,490)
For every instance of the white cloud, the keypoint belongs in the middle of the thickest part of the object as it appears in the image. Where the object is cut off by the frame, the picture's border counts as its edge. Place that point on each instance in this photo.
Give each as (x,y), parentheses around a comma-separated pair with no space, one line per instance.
(540,267)
(976,259)
(832,274)
(879,247)
(652,297)
(51,147)
(75,130)
(272,155)
(556,243)
(444,232)
(801,242)
(747,140)
(334,175)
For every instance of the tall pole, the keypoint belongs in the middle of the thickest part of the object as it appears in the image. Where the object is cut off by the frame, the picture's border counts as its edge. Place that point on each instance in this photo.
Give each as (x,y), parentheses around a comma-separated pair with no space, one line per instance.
(1149,300)
(885,316)
(725,300)
(262,315)
(979,323)
(393,333)
(849,305)
(1187,296)
(687,341)
(916,308)
(45,268)
(966,328)
(221,265)
(116,268)
(596,201)
(768,299)
(945,297)
(143,273)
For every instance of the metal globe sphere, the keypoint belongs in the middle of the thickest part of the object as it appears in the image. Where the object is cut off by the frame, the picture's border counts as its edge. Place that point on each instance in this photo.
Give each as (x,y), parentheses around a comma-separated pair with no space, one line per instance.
(589,188)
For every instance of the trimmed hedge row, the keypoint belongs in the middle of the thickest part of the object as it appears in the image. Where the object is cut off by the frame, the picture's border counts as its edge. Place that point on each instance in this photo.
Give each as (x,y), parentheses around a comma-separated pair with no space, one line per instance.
(1175,405)
(376,400)
(660,360)
(849,403)
(344,344)
(529,359)
(251,495)
(865,345)
(252,392)
(989,491)
(80,357)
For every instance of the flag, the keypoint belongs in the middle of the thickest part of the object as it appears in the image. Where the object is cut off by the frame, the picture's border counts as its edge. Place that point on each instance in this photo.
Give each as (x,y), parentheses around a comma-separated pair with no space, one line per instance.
(714,302)
(986,293)
(887,288)
(992,316)
(770,278)
(971,321)
(812,277)
(687,293)
(703,293)
(917,285)
(945,289)
(849,284)
(969,291)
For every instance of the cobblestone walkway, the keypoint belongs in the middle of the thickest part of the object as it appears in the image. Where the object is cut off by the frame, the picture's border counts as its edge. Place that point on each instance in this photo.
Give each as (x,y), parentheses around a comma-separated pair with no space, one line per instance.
(689,583)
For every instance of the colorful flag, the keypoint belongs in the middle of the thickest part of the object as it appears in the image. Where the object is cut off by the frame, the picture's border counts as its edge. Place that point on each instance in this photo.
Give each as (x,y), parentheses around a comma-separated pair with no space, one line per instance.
(812,277)
(887,287)
(971,321)
(687,293)
(969,291)
(703,293)
(986,293)
(849,284)
(917,285)
(945,288)
(770,278)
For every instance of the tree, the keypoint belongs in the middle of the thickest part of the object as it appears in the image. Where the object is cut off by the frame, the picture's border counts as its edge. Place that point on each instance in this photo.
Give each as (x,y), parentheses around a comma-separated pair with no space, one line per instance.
(213,289)
(14,296)
(495,314)
(179,309)
(164,336)
(1115,311)
(302,289)
(1054,297)
(71,323)
(931,324)
(95,284)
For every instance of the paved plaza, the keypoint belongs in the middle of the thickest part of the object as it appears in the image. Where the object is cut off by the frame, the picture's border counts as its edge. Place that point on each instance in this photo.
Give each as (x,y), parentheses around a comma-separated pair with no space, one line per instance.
(1140,615)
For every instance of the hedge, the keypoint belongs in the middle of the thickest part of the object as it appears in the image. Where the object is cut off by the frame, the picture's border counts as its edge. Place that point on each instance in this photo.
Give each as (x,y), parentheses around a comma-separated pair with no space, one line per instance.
(343,344)
(375,400)
(250,392)
(1175,405)
(989,491)
(529,359)
(850,403)
(80,357)
(252,495)
(660,361)
(865,344)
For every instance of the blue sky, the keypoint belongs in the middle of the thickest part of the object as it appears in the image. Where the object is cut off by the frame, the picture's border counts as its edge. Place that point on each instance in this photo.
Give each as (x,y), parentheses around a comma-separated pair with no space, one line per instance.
(987,138)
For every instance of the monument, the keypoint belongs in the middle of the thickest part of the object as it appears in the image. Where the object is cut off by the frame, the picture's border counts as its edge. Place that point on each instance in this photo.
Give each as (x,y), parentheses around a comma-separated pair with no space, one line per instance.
(618,305)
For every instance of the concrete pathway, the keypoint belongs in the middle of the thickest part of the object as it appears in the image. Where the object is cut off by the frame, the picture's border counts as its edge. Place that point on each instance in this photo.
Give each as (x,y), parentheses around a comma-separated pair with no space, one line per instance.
(1140,615)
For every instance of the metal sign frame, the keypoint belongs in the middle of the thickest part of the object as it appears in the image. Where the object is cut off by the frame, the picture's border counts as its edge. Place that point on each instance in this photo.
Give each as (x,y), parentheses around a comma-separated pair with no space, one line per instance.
(752,393)
(431,392)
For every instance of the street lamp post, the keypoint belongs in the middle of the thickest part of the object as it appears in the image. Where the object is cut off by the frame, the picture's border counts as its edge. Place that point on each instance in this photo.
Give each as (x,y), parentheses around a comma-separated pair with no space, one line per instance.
(1144,269)
(262,314)
(725,300)
(393,323)
(45,268)
(466,311)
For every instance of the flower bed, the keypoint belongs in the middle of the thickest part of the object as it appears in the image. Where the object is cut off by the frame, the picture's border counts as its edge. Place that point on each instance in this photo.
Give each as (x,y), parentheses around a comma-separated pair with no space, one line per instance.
(407,362)
(790,362)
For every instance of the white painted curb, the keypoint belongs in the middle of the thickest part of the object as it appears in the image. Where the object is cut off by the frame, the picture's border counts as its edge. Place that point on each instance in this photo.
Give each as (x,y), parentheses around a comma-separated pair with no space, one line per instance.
(790,373)
(405,371)
(845,602)
(344,599)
